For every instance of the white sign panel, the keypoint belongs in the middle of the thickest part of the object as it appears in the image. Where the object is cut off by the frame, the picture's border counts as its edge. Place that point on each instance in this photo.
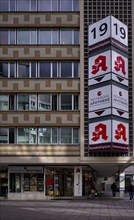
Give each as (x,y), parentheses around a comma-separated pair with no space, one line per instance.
(99,31)
(119,31)
(100,132)
(106,28)
(100,98)
(120,132)
(119,64)
(99,64)
(120,98)
(78,181)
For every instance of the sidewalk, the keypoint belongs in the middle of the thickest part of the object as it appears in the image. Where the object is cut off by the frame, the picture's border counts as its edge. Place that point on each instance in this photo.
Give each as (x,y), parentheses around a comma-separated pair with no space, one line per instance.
(103,208)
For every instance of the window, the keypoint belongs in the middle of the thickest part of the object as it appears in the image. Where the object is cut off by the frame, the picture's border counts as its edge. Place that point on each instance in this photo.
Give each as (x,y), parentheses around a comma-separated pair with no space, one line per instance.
(45,37)
(15,182)
(44,102)
(27,36)
(44,5)
(66,5)
(23,70)
(27,136)
(76,37)
(55,69)
(76,70)
(27,102)
(66,69)
(66,37)
(69,102)
(75,135)
(69,135)
(4,39)
(7,102)
(23,5)
(66,136)
(4,135)
(4,5)
(45,69)
(12,70)
(7,135)
(33,182)
(48,135)
(66,102)
(3,69)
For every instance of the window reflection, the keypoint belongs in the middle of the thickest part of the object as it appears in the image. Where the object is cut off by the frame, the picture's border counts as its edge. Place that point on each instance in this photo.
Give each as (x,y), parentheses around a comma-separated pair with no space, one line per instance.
(4,5)
(44,102)
(23,69)
(44,5)
(27,135)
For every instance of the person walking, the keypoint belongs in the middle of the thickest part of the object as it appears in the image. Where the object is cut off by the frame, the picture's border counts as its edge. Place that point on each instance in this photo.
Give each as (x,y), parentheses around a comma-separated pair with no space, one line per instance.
(130,191)
(114,189)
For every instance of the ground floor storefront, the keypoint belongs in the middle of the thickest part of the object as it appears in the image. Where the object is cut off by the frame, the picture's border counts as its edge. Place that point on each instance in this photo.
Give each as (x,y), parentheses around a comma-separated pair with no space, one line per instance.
(42,182)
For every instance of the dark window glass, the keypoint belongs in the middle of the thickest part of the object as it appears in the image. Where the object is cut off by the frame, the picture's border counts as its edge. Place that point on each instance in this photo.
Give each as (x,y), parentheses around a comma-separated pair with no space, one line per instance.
(76,69)
(4,5)
(11,136)
(54,69)
(11,102)
(54,102)
(3,69)
(23,70)
(45,69)
(66,69)
(66,102)
(4,37)
(76,102)
(12,70)
(33,69)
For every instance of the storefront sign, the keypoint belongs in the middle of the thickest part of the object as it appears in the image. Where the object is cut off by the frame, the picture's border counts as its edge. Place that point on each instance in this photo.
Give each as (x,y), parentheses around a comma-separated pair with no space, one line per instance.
(109,134)
(120,98)
(109,96)
(109,62)
(25,169)
(77,181)
(100,98)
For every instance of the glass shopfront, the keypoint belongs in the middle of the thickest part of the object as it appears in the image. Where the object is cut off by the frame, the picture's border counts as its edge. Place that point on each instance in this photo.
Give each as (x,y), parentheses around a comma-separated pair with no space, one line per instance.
(26,179)
(59,182)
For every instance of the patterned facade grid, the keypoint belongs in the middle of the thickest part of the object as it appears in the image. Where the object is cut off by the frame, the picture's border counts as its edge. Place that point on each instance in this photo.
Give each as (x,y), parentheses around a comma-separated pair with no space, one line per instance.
(95,10)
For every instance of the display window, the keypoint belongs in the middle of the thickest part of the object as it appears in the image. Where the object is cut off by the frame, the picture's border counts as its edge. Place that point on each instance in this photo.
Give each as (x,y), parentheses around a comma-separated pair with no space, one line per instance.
(59,182)
(33,182)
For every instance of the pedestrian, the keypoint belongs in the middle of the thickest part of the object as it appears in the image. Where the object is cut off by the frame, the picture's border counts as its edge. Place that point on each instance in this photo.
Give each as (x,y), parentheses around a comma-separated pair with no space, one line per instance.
(114,189)
(130,191)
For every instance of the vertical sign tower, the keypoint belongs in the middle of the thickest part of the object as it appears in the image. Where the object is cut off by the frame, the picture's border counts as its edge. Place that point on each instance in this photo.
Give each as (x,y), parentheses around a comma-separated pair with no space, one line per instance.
(108,86)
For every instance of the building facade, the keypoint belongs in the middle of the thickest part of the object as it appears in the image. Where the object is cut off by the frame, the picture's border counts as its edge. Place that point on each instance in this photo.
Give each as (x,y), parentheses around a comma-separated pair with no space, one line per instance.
(44,134)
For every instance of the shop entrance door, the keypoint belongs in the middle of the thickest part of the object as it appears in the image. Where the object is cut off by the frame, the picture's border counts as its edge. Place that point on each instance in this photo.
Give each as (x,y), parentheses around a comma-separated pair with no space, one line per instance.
(3,184)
